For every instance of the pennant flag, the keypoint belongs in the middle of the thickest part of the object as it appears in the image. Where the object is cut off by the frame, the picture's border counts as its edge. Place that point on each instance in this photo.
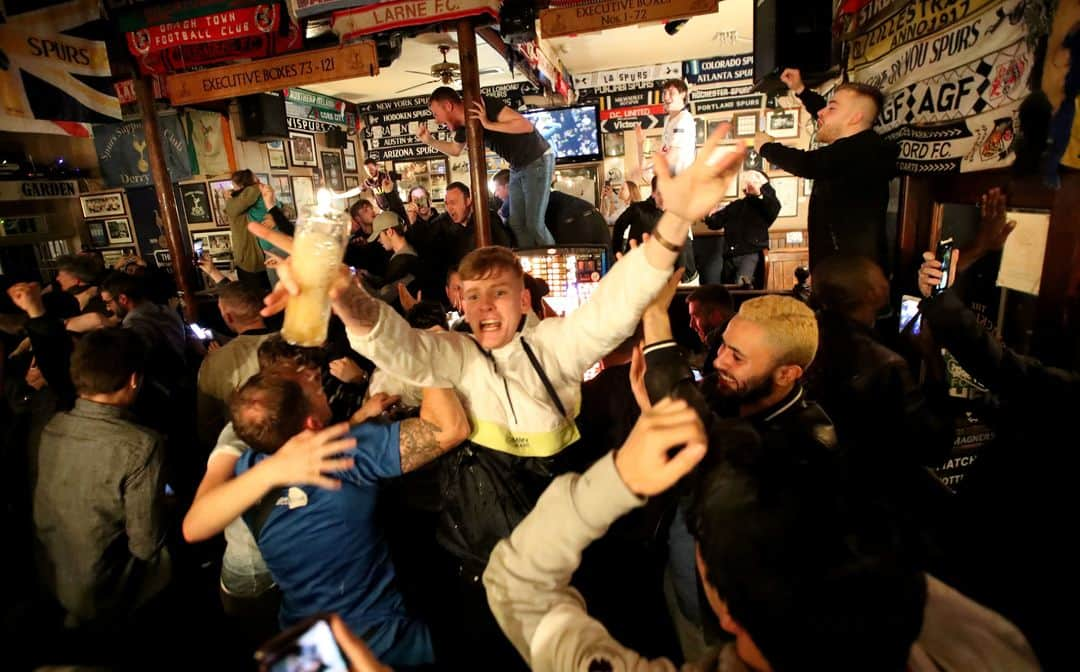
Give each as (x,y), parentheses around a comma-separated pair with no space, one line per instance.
(123,156)
(54,72)
(211,143)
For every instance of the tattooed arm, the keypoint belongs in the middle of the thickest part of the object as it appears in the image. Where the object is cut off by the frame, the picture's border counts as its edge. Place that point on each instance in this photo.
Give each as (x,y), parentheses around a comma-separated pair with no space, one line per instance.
(441,426)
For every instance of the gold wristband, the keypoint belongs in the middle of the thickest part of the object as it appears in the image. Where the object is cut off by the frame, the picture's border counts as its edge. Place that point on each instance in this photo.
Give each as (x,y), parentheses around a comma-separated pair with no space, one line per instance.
(665,242)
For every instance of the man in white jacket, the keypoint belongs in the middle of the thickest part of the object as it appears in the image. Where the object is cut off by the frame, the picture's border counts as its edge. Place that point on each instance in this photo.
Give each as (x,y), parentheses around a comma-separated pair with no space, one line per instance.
(797,575)
(520,383)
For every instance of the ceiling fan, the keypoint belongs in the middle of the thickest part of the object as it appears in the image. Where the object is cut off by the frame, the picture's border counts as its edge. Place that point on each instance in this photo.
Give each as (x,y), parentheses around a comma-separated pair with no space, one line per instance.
(444,72)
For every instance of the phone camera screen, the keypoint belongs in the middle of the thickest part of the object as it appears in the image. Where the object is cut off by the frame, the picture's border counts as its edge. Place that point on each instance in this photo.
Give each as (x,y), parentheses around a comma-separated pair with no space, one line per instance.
(316,649)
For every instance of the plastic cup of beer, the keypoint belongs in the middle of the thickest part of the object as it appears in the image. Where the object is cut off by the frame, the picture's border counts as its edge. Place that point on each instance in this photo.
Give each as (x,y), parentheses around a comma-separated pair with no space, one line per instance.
(315,262)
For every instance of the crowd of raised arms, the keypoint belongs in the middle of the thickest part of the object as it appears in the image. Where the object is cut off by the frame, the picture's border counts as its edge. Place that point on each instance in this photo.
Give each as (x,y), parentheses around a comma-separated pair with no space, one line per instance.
(747,484)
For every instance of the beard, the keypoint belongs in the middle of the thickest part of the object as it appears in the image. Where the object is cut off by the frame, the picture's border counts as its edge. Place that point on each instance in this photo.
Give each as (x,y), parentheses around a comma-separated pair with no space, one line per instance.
(755,390)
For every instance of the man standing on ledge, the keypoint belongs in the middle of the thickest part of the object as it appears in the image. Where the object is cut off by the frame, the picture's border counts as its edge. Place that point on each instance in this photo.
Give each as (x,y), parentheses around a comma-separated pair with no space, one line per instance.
(851,175)
(514,138)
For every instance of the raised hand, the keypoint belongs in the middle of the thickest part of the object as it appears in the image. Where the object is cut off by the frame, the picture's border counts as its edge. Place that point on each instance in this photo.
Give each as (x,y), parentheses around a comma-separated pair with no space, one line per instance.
(407,300)
(994,227)
(645,462)
(793,78)
(694,192)
(423,133)
(346,370)
(930,272)
(27,297)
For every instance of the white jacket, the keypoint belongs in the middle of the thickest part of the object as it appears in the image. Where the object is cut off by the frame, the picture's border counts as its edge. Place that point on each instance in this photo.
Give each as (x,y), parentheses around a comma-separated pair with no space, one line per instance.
(545,618)
(507,403)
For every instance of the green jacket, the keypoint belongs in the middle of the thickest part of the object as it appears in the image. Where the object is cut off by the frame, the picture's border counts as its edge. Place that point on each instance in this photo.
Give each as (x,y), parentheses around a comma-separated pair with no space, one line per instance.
(247,255)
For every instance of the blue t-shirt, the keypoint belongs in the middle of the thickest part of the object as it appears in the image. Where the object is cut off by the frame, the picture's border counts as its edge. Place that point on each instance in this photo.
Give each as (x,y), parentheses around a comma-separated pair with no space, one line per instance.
(326,553)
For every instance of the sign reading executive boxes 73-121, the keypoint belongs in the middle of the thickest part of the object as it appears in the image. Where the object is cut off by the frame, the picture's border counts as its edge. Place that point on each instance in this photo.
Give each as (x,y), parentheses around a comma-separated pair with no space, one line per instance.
(271,74)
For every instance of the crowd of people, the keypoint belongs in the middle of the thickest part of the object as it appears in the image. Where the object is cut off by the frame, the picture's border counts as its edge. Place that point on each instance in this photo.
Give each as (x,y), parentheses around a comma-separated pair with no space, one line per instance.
(440,477)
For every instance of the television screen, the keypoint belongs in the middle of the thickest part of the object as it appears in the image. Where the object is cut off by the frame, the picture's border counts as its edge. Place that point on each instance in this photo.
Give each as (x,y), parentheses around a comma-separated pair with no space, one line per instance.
(570,271)
(573,132)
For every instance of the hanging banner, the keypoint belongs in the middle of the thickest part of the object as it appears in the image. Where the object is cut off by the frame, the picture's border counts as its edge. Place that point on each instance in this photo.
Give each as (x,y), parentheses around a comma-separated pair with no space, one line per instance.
(314,100)
(14,190)
(952,95)
(211,143)
(385,16)
(123,157)
(187,57)
(985,84)
(315,113)
(132,15)
(635,98)
(722,69)
(983,34)
(230,25)
(717,92)
(909,23)
(50,74)
(645,75)
(309,67)
(302,9)
(587,17)
(754,102)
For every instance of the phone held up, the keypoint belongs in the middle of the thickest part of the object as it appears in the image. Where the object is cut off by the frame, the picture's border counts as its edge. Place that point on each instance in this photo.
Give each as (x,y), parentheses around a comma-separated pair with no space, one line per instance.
(308,645)
(945,251)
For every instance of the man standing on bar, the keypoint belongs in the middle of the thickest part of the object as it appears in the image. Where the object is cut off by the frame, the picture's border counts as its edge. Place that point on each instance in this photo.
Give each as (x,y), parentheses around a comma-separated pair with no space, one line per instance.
(514,138)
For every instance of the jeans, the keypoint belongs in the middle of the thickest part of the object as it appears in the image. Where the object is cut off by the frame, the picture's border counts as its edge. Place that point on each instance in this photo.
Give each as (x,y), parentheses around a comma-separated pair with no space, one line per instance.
(529,190)
(742,266)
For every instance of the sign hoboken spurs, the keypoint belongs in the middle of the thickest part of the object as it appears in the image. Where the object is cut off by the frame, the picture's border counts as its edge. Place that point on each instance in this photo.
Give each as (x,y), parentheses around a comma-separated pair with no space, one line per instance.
(311,67)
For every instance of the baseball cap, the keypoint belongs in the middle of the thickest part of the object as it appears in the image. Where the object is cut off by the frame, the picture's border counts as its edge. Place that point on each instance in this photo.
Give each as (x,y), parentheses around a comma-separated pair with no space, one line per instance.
(383,221)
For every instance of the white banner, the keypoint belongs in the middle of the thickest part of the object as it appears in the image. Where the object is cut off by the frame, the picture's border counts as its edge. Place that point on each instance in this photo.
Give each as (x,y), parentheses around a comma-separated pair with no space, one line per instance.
(981,35)
(982,142)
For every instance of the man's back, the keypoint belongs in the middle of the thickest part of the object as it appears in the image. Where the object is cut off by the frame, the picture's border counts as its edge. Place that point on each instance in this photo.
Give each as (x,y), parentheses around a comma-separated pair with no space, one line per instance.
(327,553)
(97,511)
(221,372)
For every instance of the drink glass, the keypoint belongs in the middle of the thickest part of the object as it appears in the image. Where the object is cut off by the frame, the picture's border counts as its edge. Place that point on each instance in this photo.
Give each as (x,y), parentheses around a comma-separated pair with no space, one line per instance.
(318,248)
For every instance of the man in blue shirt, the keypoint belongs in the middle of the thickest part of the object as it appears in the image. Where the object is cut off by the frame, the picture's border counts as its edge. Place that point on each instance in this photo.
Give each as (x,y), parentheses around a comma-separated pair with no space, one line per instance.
(320,540)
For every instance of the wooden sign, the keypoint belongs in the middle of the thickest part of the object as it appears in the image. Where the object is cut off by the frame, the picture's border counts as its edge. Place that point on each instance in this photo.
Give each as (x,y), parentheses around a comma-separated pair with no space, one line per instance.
(588,17)
(271,74)
(381,17)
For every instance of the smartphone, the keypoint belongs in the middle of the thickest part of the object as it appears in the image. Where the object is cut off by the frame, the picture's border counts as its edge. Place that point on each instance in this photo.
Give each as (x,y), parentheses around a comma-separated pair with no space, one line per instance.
(909,311)
(200,333)
(945,250)
(308,645)
(697,374)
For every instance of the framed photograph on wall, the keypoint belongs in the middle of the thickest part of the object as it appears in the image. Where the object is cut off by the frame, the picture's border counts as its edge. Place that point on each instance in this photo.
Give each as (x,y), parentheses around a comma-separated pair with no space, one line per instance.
(807,187)
(614,144)
(218,244)
(303,191)
(745,124)
(754,160)
(263,178)
(350,157)
(275,155)
(115,256)
(220,193)
(119,231)
(333,173)
(783,123)
(302,150)
(715,124)
(195,202)
(352,182)
(580,181)
(98,235)
(700,128)
(103,205)
(787,191)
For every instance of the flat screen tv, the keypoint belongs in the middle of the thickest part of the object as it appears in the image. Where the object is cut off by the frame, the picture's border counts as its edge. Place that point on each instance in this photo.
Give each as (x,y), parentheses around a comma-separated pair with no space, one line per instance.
(573,132)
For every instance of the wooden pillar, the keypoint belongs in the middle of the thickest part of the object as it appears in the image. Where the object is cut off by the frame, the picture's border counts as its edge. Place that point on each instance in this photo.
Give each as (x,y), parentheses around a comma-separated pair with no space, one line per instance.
(474,132)
(178,247)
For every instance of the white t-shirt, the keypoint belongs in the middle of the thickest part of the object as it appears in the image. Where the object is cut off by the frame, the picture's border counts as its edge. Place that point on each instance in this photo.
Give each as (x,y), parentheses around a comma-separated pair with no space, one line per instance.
(680,136)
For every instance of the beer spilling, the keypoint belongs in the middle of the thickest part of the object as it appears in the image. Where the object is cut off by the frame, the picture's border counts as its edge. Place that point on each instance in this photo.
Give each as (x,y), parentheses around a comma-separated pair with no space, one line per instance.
(318,248)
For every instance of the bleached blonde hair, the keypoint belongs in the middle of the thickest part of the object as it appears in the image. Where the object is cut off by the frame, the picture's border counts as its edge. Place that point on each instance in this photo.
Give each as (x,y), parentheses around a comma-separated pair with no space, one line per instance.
(791,329)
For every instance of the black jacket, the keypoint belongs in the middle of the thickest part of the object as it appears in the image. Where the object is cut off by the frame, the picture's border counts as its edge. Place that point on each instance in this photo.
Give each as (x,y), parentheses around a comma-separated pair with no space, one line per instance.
(746,222)
(851,190)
